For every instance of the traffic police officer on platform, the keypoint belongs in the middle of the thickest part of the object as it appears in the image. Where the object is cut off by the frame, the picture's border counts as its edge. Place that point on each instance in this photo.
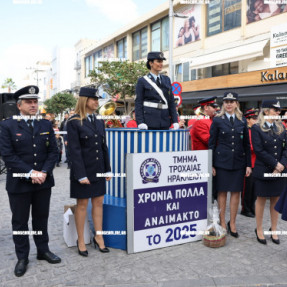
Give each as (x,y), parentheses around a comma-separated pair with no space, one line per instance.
(154,103)
(29,150)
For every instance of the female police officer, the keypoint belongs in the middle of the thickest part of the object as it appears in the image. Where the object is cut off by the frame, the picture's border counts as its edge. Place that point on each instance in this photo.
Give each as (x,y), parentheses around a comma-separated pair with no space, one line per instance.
(154,103)
(229,141)
(89,157)
(269,144)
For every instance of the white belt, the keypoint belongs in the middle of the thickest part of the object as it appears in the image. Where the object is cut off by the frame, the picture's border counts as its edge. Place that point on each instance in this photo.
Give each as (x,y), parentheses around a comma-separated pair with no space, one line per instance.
(156,105)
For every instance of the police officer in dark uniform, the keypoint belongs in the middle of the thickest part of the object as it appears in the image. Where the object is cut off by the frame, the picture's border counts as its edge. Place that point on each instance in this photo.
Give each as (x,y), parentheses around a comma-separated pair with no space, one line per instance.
(229,141)
(29,150)
(269,143)
(154,103)
(89,159)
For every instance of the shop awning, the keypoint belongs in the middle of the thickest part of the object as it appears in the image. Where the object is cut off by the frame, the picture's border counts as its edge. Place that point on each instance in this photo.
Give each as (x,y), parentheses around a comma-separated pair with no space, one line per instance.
(228,55)
(251,93)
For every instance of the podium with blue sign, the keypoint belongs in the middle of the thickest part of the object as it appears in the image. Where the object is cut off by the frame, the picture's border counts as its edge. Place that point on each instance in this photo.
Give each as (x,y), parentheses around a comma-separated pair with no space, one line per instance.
(120,143)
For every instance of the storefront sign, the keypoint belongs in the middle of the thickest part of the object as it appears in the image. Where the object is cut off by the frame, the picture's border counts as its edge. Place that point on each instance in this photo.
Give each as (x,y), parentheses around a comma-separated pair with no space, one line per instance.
(266,76)
(168,195)
(278,46)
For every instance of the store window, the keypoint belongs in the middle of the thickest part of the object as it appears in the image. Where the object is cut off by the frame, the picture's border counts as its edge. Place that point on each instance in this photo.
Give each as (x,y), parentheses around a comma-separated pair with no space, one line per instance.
(108,52)
(214,71)
(97,59)
(182,72)
(160,35)
(178,73)
(122,48)
(140,44)
(223,15)
(87,66)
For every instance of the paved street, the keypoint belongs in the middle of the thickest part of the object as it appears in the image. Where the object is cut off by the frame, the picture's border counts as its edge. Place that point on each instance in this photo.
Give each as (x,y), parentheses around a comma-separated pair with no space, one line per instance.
(242,262)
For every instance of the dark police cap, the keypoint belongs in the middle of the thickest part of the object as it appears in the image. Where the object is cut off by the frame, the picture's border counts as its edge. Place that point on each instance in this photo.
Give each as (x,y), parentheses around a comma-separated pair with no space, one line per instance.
(251,113)
(89,92)
(29,92)
(208,101)
(271,104)
(230,96)
(155,56)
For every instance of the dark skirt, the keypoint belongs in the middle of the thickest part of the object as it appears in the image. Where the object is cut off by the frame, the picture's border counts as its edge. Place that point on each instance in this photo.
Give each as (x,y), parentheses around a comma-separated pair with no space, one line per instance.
(281,205)
(229,180)
(269,188)
(94,189)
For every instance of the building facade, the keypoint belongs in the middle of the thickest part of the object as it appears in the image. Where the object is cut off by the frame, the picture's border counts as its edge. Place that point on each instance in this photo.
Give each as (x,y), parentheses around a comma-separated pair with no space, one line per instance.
(213,44)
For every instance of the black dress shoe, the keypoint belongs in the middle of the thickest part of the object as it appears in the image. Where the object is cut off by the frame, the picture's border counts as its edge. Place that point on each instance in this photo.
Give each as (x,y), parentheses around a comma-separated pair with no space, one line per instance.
(276,241)
(104,250)
(21,267)
(49,256)
(83,253)
(247,213)
(234,234)
(262,241)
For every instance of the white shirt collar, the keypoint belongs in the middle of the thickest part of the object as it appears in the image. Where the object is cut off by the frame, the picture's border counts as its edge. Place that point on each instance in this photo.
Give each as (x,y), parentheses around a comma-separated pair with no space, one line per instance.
(228,115)
(155,76)
(269,124)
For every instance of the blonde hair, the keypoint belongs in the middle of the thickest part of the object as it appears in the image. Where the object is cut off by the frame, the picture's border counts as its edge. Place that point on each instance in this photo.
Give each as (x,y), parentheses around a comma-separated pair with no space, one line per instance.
(237,111)
(81,109)
(261,122)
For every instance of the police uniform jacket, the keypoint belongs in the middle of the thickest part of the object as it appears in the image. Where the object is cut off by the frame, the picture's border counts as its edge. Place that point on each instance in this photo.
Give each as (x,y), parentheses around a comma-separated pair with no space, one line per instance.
(230,143)
(270,148)
(87,147)
(154,117)
(23,150)
(200,134)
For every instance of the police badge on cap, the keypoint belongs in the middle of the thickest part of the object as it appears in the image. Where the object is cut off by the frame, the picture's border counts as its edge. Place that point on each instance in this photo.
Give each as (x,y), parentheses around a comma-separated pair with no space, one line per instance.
(155,56)
(29,92)
(271,104)
(230,96)
(89,92)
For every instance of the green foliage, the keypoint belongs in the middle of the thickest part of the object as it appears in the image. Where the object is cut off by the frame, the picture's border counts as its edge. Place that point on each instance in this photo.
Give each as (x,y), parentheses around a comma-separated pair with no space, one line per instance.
(59,103)
(10,84)
(120,77)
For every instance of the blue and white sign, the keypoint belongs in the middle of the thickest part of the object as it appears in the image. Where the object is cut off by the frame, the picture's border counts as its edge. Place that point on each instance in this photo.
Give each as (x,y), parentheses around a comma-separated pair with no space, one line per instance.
(168,196)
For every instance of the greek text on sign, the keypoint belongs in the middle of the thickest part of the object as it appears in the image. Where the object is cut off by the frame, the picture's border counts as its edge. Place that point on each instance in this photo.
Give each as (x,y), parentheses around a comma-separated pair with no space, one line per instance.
(172,209)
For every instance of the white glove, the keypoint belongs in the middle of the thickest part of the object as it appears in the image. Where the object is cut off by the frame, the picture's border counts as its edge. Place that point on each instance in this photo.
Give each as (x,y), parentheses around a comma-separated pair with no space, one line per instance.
(142,126)
(175,126)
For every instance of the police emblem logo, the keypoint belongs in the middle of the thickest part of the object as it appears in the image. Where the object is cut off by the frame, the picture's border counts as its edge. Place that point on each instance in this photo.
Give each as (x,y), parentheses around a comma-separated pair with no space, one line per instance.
(277,105)
(32,90)
(150,170)
(230,95)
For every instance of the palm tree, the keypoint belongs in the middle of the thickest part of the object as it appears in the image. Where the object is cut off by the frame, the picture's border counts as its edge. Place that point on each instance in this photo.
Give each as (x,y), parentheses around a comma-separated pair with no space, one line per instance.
(10,84)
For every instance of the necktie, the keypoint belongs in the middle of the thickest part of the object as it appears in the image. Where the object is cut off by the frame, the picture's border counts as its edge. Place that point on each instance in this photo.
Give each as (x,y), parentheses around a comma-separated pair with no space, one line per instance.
(272,128)
(92,118)
(29,123)
(158,82)
(231,120)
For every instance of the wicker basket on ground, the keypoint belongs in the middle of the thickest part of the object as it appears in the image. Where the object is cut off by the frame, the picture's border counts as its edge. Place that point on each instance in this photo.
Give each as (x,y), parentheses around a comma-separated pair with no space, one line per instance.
(214,241)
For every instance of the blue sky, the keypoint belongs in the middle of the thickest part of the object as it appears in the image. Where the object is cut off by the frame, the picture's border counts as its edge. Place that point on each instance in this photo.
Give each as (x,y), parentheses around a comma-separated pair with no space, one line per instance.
(31,30)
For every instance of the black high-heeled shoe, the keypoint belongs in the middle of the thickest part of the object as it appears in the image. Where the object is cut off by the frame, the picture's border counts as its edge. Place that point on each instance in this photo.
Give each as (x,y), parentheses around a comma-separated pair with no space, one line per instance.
(97,246)
(276,241)
(234,234)
(262,241)
(82,253)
